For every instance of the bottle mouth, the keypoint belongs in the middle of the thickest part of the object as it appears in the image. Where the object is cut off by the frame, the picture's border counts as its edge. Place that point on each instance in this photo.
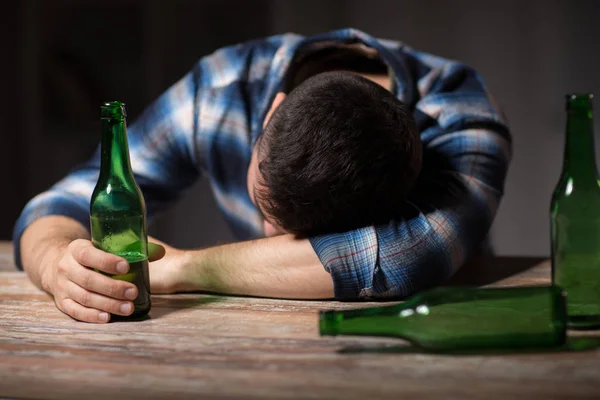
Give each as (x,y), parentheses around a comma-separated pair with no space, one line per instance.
(579,101)
(329,322)
(112,110)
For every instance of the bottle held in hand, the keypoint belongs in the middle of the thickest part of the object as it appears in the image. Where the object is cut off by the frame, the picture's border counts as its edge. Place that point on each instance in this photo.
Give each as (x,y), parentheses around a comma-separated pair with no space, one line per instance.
(117,209)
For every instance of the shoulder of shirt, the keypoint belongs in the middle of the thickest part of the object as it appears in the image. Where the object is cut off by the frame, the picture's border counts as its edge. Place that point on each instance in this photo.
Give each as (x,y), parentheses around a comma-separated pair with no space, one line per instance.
(242,62)
(401,49)
(427,70)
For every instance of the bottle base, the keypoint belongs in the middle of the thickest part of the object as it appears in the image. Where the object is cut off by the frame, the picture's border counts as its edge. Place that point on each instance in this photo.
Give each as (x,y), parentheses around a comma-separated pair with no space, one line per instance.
(582,322)
(328,323)
(137,315)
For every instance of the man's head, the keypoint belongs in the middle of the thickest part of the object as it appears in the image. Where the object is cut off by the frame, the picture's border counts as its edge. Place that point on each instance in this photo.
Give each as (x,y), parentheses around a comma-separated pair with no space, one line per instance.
(338,153)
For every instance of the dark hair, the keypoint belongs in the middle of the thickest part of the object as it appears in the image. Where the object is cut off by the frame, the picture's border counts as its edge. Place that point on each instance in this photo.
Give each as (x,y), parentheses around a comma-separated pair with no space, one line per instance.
(339,153)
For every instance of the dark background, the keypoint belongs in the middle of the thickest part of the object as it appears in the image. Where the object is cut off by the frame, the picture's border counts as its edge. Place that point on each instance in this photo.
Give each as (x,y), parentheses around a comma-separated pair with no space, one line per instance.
(61,59)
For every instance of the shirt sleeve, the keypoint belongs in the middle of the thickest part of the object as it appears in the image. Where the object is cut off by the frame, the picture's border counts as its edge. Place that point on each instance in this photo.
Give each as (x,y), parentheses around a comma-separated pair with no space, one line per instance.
(162,154)
(467,150)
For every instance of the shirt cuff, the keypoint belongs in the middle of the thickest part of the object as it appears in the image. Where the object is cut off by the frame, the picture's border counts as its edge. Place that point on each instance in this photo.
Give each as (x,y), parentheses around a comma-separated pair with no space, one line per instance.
(350,258)
(48,203)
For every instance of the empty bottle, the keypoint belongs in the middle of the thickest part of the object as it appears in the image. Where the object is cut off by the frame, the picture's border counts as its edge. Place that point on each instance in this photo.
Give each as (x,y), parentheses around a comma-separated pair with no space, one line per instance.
(462,318)
(575,218)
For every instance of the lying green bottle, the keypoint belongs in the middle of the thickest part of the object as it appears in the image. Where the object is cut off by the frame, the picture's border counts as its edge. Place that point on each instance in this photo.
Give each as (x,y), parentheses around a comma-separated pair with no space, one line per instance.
(463,318)
(118,210)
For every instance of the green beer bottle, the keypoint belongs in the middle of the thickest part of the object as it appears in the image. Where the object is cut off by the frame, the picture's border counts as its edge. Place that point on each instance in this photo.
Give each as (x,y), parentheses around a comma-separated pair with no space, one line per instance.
(117,209)
(575,218)
(458,318)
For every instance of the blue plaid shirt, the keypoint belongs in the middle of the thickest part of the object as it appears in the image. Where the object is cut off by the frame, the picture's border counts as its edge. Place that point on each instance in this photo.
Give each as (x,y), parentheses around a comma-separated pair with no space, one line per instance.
(207,123)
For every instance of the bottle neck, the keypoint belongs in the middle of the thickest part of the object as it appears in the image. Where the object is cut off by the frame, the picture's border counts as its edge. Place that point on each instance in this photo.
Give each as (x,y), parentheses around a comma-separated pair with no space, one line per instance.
(579,156)
(114,162)
(381,321)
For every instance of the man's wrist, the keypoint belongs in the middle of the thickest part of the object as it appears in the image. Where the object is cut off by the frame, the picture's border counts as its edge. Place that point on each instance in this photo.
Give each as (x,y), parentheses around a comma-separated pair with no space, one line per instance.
(201,270)
(49,264)
(187,271)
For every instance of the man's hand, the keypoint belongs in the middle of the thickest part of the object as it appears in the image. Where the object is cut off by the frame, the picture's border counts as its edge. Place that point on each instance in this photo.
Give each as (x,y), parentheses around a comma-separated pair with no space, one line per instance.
(85,294)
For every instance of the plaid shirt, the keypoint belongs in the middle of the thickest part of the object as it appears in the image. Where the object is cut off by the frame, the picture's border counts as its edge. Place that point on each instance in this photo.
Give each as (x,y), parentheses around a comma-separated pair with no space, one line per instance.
(207,123)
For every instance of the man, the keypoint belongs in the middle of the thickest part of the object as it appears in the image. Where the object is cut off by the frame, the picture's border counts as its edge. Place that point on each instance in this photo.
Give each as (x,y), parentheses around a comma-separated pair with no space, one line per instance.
(348,166)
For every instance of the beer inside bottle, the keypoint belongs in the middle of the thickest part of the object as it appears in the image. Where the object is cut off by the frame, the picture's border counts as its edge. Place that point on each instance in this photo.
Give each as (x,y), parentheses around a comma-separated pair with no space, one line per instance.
(458,318)
(575,218)
(117,209)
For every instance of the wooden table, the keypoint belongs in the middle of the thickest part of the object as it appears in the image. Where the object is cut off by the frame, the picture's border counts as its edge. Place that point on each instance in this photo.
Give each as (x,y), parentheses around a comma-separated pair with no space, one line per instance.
(205,346)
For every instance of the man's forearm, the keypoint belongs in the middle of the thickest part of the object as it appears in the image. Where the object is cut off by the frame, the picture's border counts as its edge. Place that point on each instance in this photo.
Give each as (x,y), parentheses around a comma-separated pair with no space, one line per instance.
(42,241)
(281,267)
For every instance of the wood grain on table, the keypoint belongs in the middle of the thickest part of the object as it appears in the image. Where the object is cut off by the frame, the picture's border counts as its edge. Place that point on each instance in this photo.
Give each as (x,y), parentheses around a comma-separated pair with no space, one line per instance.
(207,346)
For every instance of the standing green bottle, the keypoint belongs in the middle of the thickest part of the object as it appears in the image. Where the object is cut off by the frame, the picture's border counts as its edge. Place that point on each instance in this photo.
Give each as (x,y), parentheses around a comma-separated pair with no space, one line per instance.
(117,209)
(463,318)
(575,218)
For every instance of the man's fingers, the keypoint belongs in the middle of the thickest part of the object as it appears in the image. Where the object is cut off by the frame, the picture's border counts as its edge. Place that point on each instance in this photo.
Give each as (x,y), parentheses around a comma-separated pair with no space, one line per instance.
(97,301)
(155,251)
(81,313)
(101,284)
(84,252)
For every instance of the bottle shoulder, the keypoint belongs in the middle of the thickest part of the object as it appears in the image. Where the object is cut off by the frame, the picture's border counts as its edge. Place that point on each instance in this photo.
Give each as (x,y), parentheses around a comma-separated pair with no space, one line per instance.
(570,190)
(117,197)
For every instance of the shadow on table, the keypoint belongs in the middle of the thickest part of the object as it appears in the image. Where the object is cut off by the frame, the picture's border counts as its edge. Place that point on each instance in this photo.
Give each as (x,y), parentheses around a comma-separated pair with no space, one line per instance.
(573,344)
(488,269)
(167,304)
